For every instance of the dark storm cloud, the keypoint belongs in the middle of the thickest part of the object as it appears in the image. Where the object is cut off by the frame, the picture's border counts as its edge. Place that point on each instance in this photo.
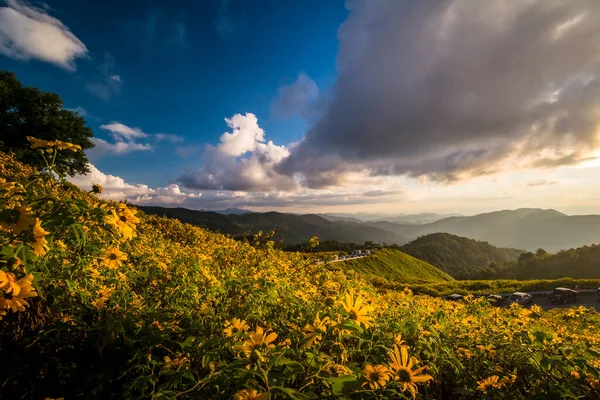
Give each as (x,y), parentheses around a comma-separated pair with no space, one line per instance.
(450,89)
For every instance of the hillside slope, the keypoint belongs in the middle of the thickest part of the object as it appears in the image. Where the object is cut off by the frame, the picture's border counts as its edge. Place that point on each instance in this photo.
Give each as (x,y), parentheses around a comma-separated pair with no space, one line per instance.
(524,228)
(291,228)
(460,257)
(396,266)
(99,299)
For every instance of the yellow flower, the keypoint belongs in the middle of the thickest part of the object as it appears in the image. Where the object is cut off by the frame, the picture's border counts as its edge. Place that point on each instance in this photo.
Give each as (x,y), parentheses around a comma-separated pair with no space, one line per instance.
(398,341)
(113,257)
(377,376)
(234,326)
(96,188)
(508,380)
(10,187)
(105,294)
(17,301)
(250,395)
(26,219)
(40,244)
(8,283)
(60,244)
(52,144)
(402,365)
(487,383)
(318,326)
(124,220)
(594,383)
(258,340)
(357,312)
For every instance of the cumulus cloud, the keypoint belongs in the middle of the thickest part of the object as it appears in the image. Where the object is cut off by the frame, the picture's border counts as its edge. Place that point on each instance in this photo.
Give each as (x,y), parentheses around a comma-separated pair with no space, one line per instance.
(241,161)
(456,89)
(297,98)
(28,32)
(116,188)
(126,139)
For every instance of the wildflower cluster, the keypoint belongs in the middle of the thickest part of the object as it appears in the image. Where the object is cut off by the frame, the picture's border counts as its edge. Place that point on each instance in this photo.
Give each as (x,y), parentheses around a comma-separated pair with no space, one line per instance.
(101,299)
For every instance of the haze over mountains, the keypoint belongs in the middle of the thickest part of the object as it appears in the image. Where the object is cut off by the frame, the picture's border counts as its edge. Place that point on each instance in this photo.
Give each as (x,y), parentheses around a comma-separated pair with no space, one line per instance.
(526,228)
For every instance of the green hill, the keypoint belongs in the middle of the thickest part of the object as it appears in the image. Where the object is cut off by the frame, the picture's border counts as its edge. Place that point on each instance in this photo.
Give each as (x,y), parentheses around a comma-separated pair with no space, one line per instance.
(461,257)
(290,228)
(394,265)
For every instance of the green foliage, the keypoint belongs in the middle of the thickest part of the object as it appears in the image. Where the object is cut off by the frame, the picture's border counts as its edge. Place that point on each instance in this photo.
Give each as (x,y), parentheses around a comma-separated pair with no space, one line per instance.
(27,111)
(498,286)
(580,263)
(460,257)
(395,266)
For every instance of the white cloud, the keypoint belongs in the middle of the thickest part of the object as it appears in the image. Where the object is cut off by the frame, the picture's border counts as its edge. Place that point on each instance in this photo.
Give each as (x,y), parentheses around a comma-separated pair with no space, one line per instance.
(102,147)
(126,139)
(241,161)
(168,137)
(28,32)
(114,187)
(245,136)
(116,78)
(122,132)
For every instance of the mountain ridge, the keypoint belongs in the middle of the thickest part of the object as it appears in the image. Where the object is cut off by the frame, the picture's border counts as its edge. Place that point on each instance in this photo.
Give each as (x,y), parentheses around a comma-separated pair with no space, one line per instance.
(291,228)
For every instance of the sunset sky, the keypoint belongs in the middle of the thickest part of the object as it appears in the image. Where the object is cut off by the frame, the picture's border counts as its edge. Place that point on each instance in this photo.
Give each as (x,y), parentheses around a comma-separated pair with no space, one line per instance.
(326,106)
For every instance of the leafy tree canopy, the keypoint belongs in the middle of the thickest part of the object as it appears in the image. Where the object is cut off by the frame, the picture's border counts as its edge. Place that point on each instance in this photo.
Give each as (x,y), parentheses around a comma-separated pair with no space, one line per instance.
(28,111)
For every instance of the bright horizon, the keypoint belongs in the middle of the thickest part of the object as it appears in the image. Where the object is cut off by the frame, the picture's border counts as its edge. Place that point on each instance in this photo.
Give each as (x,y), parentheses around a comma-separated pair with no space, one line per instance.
(312,107)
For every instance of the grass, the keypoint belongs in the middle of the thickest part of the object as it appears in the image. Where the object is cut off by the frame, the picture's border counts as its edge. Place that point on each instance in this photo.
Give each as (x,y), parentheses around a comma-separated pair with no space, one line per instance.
(395,266)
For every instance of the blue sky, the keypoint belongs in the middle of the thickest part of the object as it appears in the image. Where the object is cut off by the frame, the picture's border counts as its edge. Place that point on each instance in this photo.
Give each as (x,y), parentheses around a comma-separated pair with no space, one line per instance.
(315,106)
(185,66)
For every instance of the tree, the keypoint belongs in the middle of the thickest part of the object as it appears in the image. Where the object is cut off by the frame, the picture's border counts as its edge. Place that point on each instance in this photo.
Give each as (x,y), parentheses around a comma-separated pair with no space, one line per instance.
(27,111)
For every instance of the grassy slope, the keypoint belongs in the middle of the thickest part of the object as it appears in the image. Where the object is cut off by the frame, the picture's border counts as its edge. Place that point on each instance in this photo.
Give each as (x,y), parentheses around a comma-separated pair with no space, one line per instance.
(396,266)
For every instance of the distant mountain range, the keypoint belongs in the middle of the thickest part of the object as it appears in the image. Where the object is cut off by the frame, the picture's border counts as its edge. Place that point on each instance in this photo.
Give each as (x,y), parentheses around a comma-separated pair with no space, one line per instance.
(525,228)
(290,228)
(230,211)
(421,218)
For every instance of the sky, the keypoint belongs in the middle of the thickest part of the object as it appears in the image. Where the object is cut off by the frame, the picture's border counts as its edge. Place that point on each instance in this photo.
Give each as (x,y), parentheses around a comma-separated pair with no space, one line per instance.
(325,106)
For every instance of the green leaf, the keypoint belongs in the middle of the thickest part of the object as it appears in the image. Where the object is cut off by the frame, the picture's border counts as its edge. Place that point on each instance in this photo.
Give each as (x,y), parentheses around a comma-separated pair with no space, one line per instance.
(343,384)
(188,342)
(294,394)
(350,326)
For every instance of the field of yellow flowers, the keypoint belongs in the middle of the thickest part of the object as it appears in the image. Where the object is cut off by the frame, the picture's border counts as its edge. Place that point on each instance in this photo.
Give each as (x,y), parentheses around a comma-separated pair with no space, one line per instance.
(98,300)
